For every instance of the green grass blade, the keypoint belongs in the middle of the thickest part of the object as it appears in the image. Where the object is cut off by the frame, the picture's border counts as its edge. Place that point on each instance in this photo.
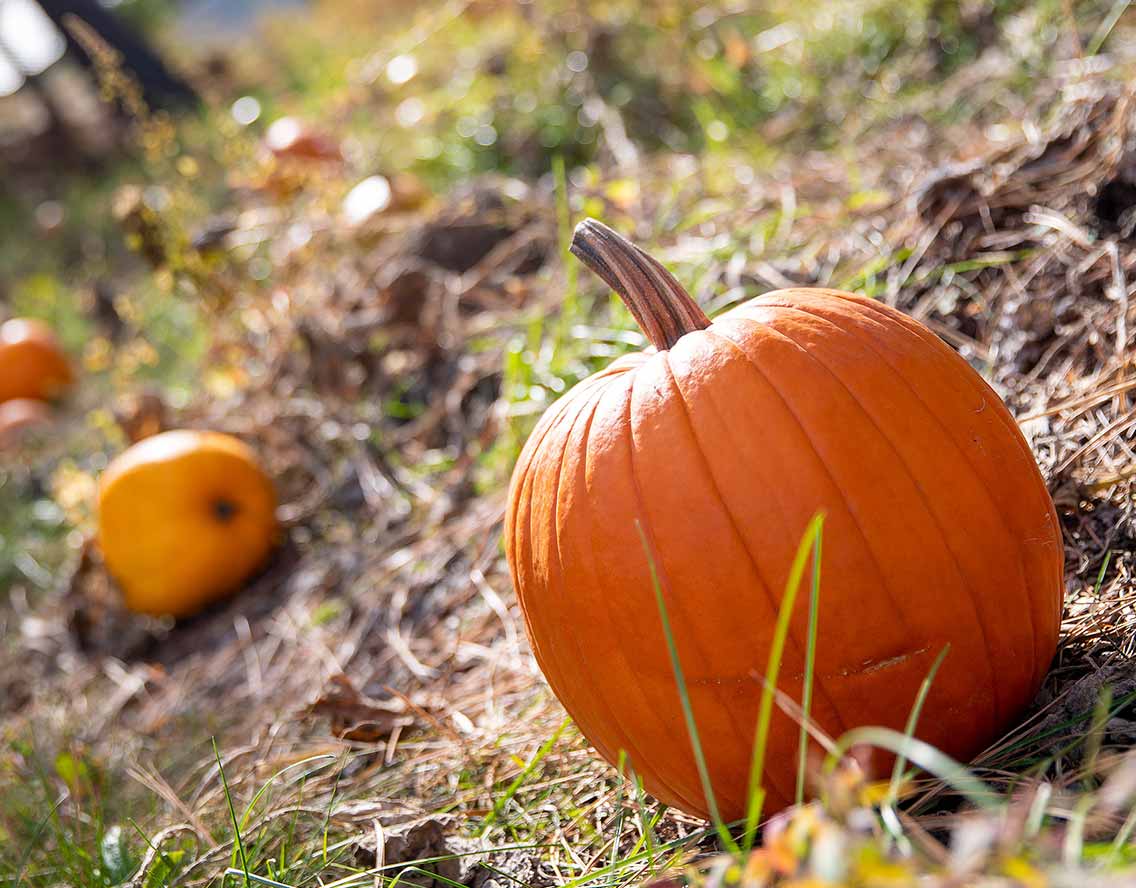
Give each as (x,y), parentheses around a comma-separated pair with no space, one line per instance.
(330,807)
(1094,738)
(21,871)
(684,698)
(259,880)
(570,307)
(755,793)
(519,780)
(621,767)
(647,821)
(926,756)
(1122,838)
(268,783)
(1106,26)
(810,663)
(912,721)
(232,813)
(1102,572)
(162,855)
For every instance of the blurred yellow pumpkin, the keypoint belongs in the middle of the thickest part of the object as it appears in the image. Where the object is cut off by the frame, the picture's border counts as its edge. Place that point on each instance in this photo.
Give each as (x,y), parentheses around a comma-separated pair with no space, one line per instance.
(185,517)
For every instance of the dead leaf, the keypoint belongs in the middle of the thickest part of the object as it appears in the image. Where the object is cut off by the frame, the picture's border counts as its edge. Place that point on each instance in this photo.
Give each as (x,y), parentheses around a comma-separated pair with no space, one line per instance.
(357,717)
(452,858)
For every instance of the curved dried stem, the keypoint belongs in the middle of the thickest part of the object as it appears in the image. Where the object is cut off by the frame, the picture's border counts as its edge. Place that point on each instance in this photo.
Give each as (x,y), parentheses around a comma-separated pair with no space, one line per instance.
(663,309)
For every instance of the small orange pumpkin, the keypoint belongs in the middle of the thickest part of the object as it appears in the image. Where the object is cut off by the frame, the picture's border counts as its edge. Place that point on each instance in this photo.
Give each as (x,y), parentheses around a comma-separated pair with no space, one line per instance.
(32,364)
(19,417)
(184,518)
(721,445)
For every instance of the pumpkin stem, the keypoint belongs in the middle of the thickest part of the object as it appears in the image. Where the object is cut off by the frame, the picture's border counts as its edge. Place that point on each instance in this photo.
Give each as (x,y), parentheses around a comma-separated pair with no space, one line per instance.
(662,308)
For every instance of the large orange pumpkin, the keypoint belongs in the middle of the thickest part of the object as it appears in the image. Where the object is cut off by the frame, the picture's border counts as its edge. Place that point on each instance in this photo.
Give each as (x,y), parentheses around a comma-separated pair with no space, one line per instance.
(32,365)
(721,444)
(184,518)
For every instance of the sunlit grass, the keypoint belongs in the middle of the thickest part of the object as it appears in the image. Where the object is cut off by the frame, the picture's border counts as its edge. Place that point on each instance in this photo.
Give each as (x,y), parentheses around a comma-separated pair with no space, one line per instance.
(681,83)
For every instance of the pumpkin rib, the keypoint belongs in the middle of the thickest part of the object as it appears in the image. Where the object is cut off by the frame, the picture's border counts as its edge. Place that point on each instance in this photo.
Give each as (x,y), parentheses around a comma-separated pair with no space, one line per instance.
(531,450)
(718,334)
(683,793)
(977,384)
(681,789)
(522,503)
(774,603)
(587,717)
(674,603)
(609,714)
(853,514)
(1050,617)
(731,520)
(914,331)
(743,544)
(966,583)
(753,389)
(972,380)
(597,707)
(981,486)
(547,654)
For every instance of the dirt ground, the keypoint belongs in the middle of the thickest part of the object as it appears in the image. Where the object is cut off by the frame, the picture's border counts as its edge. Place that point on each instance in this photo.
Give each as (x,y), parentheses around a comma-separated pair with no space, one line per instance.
(381,655)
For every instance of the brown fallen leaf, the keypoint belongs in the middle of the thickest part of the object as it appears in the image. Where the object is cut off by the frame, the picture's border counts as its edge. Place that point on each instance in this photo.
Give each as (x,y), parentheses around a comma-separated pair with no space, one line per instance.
(433,855)
(141,414)
(357,717)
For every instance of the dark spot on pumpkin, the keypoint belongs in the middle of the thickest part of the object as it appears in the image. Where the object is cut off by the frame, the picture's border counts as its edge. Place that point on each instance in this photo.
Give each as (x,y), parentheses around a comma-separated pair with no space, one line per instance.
(224,510)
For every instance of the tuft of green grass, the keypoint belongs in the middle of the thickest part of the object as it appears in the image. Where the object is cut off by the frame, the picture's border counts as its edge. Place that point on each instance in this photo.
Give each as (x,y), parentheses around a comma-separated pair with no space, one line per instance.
(684,698)
(810,666)
(810,542)
(913,721)
(238,841)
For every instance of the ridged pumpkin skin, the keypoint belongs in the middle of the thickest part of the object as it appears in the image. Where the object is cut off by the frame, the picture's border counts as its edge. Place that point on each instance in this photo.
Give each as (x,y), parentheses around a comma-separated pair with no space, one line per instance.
(18,417)
(939,530)
(32,364)
(184,518)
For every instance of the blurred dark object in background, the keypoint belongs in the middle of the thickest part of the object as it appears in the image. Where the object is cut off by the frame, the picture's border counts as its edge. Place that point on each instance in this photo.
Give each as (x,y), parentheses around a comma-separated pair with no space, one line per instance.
(70,72)
(161,87)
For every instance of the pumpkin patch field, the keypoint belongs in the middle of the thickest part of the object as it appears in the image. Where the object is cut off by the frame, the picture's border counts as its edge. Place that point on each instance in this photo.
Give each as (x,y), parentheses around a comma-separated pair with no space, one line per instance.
(569,445)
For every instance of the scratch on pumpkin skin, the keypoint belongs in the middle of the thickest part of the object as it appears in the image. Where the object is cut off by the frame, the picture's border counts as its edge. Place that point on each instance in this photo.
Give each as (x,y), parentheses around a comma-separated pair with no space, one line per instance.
(719,680)
(866,668)
(870,666)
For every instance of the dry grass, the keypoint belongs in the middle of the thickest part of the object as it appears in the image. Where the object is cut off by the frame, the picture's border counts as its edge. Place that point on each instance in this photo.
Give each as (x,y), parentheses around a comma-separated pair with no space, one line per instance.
(379,665)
